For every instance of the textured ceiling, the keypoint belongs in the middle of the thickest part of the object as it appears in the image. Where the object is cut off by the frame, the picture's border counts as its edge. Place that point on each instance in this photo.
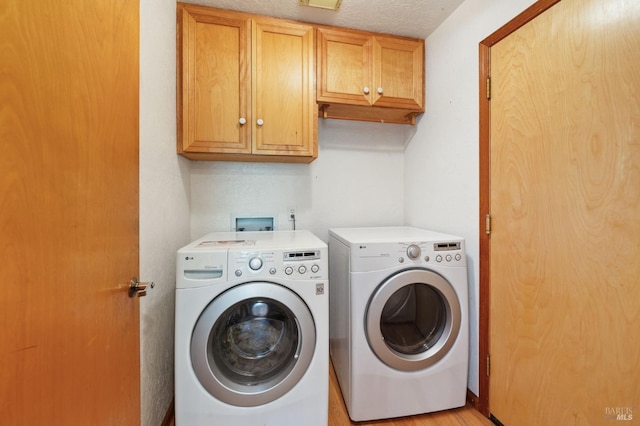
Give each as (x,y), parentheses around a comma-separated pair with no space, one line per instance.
(411,18)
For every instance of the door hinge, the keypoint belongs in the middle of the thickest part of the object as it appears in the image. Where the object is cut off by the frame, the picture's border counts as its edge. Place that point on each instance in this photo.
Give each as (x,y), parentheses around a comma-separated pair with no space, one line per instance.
(488,87)
(487,224)
(488,364)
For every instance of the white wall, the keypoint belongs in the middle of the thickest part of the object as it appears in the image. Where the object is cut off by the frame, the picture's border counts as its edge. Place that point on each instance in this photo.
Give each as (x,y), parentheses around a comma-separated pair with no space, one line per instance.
(164,204)
(356,180)
(441,160)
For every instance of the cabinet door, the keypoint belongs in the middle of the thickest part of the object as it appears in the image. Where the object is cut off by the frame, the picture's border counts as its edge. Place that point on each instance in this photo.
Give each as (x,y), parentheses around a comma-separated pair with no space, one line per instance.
(283,97)
(213,67)
(344,67)
(398,73)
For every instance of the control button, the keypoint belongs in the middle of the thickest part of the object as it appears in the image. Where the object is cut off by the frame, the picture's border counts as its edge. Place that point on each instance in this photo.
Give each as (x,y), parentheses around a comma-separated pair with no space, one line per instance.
(288,270)
(272,271)
(438,258)
(315,268)
(427,258)
(238,273)
(458,256)
(302,269)
(413,251)
(449,258)
(255,263)
(401,259)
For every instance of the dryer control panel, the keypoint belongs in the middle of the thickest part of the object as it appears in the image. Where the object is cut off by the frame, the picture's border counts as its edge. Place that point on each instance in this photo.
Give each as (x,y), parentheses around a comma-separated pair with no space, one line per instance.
(374,256)
(445,253)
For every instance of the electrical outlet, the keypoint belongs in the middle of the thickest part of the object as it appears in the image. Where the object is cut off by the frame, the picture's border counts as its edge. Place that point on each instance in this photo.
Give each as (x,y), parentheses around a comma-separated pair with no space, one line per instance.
(291,213)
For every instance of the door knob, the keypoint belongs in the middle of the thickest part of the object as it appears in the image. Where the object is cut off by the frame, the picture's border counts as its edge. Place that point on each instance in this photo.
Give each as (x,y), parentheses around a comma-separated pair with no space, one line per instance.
(137,288)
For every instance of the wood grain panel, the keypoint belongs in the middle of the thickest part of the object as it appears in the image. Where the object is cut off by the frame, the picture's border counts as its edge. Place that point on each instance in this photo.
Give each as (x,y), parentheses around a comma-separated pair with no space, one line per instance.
(283,93)
(214,81)
(69,346)
(217,80)
(344,66)
(565,251)
(484,54)
(399,71)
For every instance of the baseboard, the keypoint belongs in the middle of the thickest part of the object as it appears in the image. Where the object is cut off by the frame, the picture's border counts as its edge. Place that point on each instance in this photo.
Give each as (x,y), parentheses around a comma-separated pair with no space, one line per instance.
(169,419)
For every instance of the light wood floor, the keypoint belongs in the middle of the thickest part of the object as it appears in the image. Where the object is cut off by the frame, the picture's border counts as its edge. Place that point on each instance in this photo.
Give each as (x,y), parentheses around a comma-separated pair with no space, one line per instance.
(338,416)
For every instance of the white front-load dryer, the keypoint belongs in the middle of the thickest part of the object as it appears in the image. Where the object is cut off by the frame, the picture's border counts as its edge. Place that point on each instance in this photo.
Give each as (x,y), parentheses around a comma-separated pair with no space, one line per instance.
(399,339)
(252,329)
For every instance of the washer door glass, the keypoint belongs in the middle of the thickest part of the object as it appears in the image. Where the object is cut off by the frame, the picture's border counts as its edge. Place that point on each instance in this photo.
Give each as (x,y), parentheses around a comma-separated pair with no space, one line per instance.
(253,343)
(413,319)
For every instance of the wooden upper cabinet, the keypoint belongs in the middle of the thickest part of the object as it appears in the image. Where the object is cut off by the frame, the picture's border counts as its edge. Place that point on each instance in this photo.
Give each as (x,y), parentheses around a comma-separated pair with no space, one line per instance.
(284,109)
(345,67)
(245,87)
(371,77)
(398,72)
(213,82)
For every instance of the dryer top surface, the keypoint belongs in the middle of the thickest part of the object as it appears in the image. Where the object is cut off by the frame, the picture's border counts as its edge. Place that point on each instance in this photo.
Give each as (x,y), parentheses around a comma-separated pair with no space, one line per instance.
(393,234)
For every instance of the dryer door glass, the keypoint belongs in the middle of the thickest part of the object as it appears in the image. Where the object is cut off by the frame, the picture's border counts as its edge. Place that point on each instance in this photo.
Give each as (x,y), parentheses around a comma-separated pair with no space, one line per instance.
(253,343)
(413,319)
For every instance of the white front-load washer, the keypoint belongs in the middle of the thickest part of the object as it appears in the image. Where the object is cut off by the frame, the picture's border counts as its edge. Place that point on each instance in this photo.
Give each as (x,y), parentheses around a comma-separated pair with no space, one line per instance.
(399,339)
(252,330)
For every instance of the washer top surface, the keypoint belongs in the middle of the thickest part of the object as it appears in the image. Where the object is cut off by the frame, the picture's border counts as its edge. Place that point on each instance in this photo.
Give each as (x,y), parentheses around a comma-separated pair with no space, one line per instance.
(261,240)
(391,234)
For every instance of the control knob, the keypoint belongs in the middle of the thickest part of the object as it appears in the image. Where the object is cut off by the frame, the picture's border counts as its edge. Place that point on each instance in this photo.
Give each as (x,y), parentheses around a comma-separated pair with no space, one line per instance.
(255,263)
(413,251)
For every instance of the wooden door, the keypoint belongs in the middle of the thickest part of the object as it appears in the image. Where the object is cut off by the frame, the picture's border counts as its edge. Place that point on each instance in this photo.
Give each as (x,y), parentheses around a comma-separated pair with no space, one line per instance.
(214,82)
(283,89)
(564,204)
(69,346)
(398,73)
(344,66)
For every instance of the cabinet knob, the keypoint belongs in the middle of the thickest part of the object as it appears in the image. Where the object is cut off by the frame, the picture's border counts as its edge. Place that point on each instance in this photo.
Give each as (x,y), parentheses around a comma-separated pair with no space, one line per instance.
(260,122)
(242,121)
(379,90)
(366,90)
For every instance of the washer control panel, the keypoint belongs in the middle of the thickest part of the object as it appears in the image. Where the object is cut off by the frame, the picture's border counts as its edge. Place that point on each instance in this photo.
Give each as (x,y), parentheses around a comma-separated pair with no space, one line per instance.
(298,264)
